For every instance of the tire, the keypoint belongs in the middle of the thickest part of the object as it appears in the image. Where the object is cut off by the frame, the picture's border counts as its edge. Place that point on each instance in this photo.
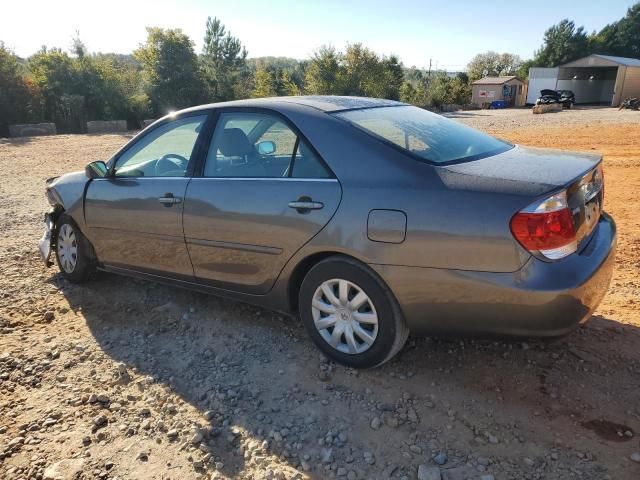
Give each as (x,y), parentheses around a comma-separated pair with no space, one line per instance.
(74,253)
(360,344)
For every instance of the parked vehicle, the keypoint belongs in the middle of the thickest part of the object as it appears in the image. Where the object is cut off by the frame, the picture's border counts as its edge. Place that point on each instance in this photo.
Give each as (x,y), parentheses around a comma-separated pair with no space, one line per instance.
(630,103)
(565,97)
(369,218)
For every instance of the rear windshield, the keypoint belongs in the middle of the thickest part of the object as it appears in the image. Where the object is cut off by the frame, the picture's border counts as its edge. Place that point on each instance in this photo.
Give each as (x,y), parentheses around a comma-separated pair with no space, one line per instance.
(427,136)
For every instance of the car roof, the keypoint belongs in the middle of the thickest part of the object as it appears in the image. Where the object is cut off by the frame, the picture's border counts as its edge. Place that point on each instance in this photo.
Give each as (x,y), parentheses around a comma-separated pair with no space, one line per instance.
(325,103)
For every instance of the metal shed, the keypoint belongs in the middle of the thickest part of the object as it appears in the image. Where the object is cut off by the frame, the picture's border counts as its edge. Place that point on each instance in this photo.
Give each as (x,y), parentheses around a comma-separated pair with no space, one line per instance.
(596,79)
(490,89)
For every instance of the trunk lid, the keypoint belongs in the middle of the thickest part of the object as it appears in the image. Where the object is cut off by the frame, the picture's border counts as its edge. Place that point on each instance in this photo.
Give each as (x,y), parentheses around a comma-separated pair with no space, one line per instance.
(545,168)
(536,172)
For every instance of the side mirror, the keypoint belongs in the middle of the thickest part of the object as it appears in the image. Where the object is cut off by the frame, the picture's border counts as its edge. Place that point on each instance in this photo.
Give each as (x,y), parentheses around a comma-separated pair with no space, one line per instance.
(266,148)
(96,170)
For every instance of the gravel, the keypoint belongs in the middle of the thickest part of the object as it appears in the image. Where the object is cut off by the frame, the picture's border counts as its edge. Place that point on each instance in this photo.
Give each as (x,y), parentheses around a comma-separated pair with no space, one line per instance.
(524,118)
(440,458)
(129,379)
(426,472)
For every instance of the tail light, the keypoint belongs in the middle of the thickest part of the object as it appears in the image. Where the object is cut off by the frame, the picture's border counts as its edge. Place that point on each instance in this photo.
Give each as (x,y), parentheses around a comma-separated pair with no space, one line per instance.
(546,227)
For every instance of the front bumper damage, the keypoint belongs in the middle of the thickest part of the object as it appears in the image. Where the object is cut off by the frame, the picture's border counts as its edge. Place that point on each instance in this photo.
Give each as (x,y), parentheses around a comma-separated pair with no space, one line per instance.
(45,244)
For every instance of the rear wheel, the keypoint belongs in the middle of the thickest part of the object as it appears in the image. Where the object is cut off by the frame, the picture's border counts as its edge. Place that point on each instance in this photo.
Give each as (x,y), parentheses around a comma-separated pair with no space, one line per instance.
(350,314)
(74,253)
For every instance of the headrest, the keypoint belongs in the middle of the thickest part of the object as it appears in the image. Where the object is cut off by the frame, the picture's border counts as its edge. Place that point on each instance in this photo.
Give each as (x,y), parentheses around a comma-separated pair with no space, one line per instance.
(234,143)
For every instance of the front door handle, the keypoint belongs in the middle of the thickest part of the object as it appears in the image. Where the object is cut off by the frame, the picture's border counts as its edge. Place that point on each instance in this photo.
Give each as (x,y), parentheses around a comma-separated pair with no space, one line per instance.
(169,199)
(305,205)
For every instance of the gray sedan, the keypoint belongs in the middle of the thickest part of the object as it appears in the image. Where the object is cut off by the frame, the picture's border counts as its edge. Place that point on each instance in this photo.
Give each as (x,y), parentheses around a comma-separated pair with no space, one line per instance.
(368,218)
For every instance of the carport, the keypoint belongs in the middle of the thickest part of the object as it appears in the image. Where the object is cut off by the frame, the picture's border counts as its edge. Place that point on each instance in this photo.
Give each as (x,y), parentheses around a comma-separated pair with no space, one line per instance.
(596,79)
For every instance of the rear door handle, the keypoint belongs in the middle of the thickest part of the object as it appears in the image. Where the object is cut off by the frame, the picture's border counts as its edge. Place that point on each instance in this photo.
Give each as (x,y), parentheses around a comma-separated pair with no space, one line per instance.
(304,206)
(169,200)
(298,205)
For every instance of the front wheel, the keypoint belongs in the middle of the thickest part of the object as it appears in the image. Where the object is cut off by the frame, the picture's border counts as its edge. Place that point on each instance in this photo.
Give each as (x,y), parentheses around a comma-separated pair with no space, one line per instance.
(350,314)
(74,253)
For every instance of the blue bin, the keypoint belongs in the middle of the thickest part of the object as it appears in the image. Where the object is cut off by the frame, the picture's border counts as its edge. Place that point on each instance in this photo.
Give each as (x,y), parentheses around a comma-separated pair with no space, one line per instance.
(498,104)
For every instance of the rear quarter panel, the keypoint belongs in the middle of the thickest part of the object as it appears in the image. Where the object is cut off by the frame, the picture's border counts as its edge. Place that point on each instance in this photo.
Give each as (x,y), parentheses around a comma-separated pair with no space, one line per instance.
(458,224)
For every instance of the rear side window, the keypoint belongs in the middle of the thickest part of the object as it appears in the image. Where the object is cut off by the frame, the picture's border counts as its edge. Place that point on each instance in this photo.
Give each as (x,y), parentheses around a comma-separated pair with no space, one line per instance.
(306,164)
(260,145)
(425,135)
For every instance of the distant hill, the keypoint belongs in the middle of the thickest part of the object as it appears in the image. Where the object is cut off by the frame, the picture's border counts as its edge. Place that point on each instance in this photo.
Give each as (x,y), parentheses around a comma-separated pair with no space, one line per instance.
(276,63)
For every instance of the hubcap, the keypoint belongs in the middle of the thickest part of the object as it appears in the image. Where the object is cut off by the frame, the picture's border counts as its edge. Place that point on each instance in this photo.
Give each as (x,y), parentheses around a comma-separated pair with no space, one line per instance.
(345,316)
(67,248)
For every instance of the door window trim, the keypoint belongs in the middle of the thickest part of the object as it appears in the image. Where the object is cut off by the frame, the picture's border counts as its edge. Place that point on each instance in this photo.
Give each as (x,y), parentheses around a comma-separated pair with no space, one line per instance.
(207,138)
(268,179)
(196,152)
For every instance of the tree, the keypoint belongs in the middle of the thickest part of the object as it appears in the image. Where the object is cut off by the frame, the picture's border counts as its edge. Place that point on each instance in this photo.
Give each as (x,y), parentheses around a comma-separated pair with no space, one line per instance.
(111,86)
(459,91)
(413,74)
(443,90)
(413,94)
(393,77)
(78,47)
(89,82)
(171,69)
(620,38)
(264,84)
(562,43)
(323,72)
(361,73)
(287,84)
(287,73)
(358,71)
(54,74)
(523,70)
(123,88)
(223,59)
(493,64)
(463,77)
(15,94)
(436,90)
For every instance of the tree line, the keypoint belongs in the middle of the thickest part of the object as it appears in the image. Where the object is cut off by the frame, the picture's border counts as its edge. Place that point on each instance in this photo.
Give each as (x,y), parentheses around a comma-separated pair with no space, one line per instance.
(166,73)
(563,43)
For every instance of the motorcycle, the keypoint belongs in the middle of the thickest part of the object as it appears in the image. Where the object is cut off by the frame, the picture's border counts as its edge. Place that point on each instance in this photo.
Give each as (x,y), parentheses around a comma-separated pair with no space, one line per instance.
(631,103)
(565,97)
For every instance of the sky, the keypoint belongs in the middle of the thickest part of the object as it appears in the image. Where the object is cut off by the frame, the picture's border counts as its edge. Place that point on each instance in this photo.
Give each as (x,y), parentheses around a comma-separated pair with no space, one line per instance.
(449,33)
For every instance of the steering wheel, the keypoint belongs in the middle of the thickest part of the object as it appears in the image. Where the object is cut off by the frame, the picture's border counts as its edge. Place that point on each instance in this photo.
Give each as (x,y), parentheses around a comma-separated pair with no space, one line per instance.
(166,163)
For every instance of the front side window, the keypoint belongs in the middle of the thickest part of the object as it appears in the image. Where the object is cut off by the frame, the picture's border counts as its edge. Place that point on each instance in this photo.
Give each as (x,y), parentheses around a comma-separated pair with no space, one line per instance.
(426,135)
(163,152)
(258,145)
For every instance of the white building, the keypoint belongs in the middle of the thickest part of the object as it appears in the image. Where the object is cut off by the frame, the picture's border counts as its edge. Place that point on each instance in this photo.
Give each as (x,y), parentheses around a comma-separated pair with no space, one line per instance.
(596,79)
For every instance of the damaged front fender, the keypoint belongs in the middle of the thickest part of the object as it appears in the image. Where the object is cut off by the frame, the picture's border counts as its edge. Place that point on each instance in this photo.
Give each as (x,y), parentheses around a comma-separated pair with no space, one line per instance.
(64,194)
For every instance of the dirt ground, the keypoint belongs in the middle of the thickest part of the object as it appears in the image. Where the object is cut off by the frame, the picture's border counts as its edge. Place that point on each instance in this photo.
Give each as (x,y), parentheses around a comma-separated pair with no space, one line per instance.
(131,380)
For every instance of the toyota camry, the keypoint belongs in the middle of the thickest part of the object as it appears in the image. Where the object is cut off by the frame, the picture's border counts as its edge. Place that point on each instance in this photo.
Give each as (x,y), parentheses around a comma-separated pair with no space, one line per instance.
(369,219)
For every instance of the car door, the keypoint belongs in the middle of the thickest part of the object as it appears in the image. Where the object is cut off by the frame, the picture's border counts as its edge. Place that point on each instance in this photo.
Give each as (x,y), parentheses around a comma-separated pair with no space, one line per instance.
(262,194)
(134,216)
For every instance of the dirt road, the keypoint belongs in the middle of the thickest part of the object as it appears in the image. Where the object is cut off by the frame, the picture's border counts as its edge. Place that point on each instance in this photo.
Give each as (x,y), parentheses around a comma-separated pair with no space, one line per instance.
(131,380)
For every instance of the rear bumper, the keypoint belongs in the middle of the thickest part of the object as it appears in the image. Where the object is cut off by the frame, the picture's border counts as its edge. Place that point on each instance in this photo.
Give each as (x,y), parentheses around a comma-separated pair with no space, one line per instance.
(541,299)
